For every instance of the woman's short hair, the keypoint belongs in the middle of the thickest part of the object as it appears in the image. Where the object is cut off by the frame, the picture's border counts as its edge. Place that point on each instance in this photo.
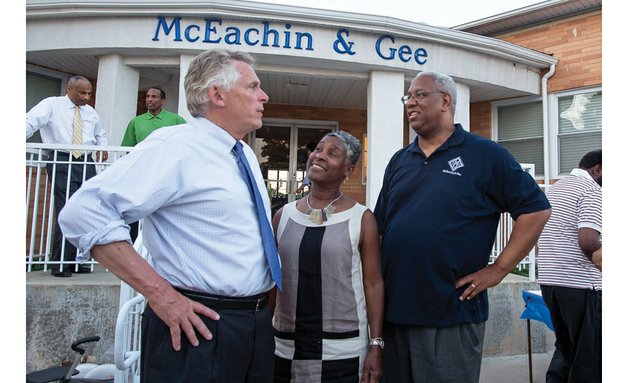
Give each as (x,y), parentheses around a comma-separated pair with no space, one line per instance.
(351,143)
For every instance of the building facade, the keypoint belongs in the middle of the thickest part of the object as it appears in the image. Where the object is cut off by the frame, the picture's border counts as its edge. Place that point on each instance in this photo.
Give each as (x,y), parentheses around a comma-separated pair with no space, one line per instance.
(530,79)
(553,137)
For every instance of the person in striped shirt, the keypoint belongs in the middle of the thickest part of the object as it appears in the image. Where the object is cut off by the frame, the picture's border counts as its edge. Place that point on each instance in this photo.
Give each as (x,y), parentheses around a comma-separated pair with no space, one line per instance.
(569,271)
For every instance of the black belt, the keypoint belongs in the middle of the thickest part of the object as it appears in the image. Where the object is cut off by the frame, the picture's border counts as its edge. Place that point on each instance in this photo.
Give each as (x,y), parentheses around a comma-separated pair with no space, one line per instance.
(218,302)
(67,155)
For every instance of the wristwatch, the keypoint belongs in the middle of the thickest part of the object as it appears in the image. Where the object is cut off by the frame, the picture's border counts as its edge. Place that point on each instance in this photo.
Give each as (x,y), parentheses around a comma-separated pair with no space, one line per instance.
(376,342)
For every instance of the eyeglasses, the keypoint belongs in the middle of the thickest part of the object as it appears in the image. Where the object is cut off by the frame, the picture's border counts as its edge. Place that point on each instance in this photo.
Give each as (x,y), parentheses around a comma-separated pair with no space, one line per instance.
(419,95)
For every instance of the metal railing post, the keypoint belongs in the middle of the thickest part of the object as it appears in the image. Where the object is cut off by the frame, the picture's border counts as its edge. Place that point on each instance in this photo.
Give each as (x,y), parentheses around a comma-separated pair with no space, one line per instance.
(42,197)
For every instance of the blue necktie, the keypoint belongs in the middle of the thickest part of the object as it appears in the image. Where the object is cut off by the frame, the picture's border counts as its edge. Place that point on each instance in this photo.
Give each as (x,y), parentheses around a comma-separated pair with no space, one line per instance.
(269,243)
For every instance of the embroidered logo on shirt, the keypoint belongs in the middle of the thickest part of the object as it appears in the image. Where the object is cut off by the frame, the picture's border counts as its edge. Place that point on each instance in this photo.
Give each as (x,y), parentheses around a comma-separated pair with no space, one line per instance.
(455,164)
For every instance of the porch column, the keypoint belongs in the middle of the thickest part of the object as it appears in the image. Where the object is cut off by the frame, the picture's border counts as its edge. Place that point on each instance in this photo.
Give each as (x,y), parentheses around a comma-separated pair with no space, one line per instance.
(461,114)
(117,96)
(385,127)
(184,61)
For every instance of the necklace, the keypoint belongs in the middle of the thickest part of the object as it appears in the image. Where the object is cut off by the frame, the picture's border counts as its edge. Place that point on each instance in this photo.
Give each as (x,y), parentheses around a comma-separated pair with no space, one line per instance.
(319,216)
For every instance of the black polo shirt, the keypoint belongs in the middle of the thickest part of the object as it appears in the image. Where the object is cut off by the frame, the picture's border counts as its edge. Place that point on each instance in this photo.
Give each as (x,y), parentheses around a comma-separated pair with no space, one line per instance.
(438,218)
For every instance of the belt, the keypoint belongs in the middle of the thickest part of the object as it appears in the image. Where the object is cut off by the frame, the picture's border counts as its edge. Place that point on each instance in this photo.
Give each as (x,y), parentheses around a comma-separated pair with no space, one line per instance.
(218,302)
(67,155)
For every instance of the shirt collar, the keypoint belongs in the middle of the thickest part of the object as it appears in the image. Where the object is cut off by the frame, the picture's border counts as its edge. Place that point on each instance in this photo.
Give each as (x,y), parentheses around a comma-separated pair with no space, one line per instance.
(456,138)
(70,103)
(151,115)
(224,140)
(581,173)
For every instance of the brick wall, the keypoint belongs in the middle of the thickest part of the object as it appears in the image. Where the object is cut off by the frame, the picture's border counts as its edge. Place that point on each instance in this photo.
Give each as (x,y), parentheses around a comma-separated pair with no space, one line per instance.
(480,119)
(350,121)
(576,42)
(42,207)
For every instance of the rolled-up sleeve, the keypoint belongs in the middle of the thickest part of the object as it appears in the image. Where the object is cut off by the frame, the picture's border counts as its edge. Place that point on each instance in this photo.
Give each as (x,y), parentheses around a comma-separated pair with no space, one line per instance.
(100,212)
(87,221)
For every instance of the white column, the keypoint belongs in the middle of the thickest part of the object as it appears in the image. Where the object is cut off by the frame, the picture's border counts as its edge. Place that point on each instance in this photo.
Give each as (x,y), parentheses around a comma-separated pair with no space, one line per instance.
(461,115)
(117,96)
(172,95)
(183,65)
(385,127)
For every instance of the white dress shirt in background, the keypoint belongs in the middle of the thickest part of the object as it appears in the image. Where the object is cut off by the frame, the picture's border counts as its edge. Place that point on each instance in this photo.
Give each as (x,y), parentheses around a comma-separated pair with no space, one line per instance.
(53,116)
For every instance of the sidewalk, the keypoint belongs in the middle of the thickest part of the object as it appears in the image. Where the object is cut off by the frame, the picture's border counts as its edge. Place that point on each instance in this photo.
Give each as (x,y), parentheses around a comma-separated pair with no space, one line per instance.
(514,368)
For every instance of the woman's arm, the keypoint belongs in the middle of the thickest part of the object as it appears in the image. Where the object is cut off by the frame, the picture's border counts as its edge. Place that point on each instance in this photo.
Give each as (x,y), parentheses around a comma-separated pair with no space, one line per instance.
(370,249)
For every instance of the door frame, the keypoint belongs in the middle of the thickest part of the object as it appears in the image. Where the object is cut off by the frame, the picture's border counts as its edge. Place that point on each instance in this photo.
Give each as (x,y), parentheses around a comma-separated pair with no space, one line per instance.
(294,126)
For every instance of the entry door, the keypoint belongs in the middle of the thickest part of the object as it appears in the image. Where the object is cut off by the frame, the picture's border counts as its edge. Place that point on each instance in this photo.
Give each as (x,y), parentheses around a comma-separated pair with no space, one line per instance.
(281,152)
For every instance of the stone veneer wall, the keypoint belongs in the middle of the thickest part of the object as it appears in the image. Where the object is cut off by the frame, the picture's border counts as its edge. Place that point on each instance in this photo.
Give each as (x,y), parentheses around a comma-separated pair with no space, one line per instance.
(60,310)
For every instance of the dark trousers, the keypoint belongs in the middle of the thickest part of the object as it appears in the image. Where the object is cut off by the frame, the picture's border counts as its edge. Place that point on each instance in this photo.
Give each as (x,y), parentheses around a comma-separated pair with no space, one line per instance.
(576,315)
(241,350)
(133,230)
(417,354)
(63,181)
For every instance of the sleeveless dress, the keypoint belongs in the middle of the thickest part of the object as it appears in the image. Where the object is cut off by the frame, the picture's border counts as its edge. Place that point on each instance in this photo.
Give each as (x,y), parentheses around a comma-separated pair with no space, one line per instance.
(320,322)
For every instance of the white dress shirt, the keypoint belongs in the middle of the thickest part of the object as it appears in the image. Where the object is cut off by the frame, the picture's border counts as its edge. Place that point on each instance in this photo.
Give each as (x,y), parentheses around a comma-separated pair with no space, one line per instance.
(53,116)
(200,223)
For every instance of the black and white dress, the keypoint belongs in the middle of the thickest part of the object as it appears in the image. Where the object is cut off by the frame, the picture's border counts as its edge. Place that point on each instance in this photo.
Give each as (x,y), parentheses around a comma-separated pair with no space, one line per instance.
(320,319)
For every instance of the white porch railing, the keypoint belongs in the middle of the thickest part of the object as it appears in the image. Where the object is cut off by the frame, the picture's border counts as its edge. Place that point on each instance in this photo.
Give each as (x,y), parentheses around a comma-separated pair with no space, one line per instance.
(127,336)
(40,188)
(504,228)
(40,206)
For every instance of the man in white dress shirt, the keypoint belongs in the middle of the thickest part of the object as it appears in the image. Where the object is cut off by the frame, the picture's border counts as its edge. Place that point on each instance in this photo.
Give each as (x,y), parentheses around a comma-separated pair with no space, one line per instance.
(67,120)
(208,280)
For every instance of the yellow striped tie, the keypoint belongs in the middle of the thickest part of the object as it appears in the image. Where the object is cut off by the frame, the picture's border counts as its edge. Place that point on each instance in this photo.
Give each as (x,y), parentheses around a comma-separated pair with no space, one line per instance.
(77,132)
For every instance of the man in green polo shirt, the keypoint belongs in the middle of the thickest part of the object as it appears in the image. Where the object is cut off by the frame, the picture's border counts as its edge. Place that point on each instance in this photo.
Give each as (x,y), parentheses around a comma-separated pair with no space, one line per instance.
(141,126)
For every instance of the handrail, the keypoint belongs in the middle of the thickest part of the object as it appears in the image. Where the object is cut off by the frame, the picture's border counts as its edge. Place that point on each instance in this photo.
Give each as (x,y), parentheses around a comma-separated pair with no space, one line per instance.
(124,359)
(40,204)
(40,219)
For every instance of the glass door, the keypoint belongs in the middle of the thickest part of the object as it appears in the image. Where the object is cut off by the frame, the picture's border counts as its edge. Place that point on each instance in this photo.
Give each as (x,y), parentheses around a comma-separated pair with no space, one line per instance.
(282,153)
(307,138)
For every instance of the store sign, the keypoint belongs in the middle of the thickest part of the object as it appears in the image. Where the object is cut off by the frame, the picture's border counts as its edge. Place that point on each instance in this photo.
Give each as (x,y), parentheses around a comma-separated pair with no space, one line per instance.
(212,32)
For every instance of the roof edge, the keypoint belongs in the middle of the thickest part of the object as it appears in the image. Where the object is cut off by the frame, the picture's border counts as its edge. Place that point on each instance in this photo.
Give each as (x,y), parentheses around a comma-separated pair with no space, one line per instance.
(54,9)
(557,5)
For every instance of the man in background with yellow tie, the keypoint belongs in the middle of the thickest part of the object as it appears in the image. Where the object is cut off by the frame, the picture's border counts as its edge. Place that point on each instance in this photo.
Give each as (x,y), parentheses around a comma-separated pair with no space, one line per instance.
(67,120)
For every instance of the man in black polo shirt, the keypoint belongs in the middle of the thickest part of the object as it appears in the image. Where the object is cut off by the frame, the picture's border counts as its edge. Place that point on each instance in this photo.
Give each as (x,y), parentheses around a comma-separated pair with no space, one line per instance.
(438,211)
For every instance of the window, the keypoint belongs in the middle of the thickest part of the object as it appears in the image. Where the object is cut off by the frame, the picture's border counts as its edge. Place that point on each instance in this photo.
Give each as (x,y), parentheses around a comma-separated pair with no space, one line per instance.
(520,131)
(38,87)
(579,127)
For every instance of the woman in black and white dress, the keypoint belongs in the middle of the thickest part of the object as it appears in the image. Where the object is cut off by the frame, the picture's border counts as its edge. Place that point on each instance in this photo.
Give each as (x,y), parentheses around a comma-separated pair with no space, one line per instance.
(329,316)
